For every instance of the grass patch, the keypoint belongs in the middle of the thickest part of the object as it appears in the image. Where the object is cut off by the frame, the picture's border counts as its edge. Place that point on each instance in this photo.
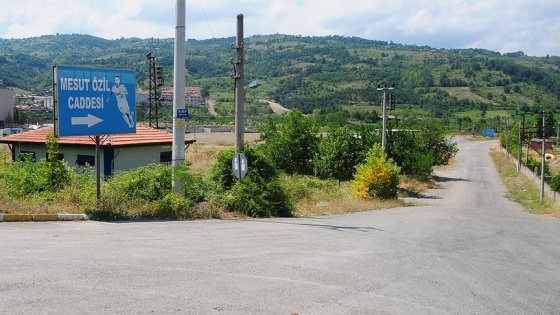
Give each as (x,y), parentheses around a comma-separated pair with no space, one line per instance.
(465,93)
(310,196)
(327,197)
(521,189)
(201,155)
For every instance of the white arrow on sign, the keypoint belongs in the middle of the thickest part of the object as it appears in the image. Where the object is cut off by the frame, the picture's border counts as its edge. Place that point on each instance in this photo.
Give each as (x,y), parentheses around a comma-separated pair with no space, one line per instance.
(90,120)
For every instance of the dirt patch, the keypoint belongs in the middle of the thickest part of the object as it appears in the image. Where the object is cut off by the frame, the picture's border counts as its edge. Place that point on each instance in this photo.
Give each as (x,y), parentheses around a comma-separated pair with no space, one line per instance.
(224,138)
(211,109)
(276,108)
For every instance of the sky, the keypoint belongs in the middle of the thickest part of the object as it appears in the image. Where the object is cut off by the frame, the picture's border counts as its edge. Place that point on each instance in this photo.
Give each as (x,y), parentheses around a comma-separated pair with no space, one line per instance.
(531,26)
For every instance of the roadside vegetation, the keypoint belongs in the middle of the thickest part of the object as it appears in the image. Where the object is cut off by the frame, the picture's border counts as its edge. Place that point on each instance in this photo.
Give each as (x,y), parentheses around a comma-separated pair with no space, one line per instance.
(520,188)
(297,168)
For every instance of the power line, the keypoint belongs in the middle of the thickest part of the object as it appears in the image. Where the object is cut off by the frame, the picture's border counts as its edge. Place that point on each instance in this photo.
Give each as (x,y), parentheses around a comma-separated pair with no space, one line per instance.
(207,23)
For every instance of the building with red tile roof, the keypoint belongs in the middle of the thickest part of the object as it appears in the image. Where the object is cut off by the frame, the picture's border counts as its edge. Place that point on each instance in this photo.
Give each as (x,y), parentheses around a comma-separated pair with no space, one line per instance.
(118,152)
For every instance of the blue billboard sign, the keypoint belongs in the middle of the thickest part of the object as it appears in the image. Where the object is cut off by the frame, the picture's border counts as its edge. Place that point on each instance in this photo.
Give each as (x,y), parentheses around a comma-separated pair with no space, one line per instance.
(93,101)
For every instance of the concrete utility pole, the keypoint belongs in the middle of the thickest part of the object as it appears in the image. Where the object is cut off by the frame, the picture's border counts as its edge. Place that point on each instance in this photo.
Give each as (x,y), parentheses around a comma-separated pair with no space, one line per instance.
(239,88)
(543,155)
(384,106)
(178,153)
(507,137)
(519,149)
(522,125)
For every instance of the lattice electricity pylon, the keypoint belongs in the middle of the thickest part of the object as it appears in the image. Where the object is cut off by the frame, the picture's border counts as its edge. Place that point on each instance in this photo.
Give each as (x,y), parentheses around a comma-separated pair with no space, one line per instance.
(152,97)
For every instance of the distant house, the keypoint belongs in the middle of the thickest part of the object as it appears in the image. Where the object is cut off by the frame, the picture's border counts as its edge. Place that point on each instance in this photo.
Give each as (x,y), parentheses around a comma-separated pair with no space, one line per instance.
(536,144)
(118,152)
(6,104)
(193,96)
(142,97)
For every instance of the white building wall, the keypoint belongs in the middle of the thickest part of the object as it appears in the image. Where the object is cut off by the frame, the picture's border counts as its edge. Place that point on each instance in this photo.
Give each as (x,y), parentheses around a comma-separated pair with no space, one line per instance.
(133,157)
(126,158)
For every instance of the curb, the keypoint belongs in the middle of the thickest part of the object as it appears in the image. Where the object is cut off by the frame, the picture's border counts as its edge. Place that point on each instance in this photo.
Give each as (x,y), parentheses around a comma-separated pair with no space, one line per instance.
(9,217)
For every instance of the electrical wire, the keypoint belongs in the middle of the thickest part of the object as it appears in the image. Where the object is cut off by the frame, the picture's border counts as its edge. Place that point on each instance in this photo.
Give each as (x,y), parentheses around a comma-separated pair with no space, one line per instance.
(207,23)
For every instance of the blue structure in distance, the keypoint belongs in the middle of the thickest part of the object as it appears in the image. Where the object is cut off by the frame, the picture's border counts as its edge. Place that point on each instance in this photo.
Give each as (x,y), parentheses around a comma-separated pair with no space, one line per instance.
(488,132)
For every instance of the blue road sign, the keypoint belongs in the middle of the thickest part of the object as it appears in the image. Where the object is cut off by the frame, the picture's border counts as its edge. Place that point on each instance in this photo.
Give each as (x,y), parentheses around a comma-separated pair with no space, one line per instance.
(183,113)
(488,132)
(93,101)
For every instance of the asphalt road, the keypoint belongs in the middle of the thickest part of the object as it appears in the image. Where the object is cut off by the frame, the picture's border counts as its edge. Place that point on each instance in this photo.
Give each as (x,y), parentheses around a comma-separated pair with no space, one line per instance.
(469,250)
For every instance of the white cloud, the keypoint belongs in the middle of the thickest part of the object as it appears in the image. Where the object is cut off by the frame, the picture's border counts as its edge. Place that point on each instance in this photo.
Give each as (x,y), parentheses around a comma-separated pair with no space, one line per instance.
(500,25)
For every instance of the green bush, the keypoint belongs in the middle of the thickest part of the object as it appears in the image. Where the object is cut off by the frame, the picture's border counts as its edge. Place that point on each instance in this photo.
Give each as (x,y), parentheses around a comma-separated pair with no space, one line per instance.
(302,187)
(149,183)
(291,141)
(27,177)
(555,183)
(147,192)
(259,193)
(433,139)
(175,206)
(221,172)
(535,165)
(410,153)
(338,155)
(257,198)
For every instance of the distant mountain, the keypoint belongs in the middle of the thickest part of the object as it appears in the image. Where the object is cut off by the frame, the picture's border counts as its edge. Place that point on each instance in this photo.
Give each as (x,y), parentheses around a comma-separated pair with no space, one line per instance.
(327,72)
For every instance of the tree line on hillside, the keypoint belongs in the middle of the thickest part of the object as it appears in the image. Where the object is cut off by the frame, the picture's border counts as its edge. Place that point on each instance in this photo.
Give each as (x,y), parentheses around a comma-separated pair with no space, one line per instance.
(308,73)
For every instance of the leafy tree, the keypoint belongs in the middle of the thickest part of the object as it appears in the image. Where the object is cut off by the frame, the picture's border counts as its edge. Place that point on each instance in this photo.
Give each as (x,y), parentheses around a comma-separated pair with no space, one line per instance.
(291,141)
(432,138)
(550,124)
(340,151)
(408,152)
(58,173)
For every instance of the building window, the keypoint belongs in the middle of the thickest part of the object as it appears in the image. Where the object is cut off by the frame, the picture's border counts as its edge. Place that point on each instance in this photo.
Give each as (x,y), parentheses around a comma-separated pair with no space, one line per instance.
(59,157)
(84,160)
(165,157)
(24,155)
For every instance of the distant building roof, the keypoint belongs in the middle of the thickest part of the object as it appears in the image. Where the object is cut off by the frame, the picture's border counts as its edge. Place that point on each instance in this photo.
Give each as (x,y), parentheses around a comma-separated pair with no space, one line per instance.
(144,136)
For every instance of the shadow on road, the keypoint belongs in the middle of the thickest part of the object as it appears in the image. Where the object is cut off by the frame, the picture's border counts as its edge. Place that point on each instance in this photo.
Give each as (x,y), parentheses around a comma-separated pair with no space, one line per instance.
(414,194)
(325,226)
(443,179)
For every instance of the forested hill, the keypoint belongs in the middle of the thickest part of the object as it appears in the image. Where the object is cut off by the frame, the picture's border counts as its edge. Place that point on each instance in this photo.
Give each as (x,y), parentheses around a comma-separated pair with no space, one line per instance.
(325,72)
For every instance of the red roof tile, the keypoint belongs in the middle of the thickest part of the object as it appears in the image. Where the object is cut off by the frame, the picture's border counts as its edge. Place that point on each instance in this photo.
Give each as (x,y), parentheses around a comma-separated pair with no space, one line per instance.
(144,136)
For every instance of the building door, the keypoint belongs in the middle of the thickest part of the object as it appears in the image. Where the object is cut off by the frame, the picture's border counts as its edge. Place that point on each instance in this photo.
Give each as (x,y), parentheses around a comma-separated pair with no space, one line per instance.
(108,156)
